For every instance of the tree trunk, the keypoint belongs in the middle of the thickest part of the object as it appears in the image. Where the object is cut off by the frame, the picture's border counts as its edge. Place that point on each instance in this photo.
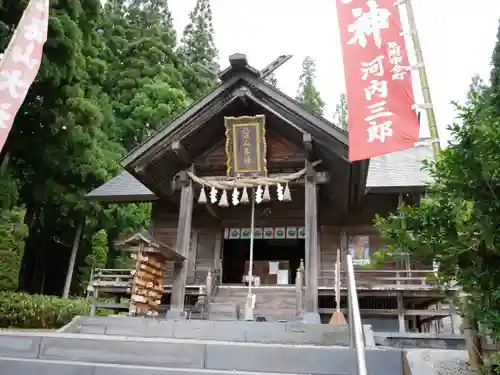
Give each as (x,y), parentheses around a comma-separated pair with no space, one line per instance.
(72,259)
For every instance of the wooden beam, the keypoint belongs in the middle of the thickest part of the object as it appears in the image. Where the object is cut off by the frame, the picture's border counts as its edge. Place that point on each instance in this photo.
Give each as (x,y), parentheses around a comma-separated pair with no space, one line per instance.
(308,146)
(321,178)
(182,246)
(393,312)
(311,242)
(180,152)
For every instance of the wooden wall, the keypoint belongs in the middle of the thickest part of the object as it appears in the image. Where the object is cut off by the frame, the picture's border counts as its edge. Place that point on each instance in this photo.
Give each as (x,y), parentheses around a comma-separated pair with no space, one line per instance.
(204,254)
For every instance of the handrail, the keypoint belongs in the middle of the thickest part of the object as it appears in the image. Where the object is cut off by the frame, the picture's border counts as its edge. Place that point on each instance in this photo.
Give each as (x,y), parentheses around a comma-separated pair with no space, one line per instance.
(355,325)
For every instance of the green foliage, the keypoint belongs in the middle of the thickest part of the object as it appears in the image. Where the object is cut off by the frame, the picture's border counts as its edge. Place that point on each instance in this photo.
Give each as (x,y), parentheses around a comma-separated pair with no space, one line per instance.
(340,114)
(197,44)
(12,234)
(112,73)
(97,258)
(491,365)
(198,49)
(23,310)
(456,223)
(308,95)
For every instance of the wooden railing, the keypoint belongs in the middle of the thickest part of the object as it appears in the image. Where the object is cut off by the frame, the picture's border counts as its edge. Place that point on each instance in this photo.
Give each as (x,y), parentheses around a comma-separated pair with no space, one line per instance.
(115,282)
(380,279)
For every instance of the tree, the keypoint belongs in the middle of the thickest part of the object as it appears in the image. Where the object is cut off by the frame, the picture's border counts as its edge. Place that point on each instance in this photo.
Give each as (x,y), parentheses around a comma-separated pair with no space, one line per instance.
(97,258)
(340,114)
(495,74)
(198,50)
(145,79)
(307,94)
(197,44)
(457,222)
(12,234)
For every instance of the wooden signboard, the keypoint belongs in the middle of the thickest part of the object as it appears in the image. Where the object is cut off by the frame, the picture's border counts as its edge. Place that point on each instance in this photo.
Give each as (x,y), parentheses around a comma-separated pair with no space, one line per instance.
(246,146)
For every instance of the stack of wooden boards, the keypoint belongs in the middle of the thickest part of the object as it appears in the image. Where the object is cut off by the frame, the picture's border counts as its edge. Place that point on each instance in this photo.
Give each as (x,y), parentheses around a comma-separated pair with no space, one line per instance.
(147,283)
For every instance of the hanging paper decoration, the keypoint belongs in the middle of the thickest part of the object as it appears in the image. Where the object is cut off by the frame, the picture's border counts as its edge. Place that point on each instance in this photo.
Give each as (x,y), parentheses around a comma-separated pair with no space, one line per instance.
(287,196)
(244,196)
(258,195)
(235,197)
(213,195)
(279,191)
(267,196)
(203,196)
(223,199)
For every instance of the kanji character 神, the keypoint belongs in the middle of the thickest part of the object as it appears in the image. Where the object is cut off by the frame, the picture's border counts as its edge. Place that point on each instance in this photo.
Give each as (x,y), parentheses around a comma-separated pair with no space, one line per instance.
(369,23)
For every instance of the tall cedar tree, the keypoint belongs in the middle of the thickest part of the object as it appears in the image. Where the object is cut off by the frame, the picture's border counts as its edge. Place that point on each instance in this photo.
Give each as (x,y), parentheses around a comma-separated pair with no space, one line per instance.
(495,74)
(145,79)
(457,222)
(57,148)
(198,49)
(340,114)
(307,94)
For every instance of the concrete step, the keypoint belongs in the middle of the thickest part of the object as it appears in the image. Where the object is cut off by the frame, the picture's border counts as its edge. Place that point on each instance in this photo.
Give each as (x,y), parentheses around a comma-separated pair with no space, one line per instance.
(192,355)
(19,366)
(292,333)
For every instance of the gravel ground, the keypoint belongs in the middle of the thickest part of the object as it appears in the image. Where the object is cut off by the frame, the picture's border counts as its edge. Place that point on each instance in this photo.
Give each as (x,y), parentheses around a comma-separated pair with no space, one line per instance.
(438,362)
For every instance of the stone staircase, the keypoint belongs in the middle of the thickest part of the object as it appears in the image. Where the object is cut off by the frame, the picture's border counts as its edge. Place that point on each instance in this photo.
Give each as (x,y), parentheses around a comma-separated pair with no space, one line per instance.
(126,346)
(273,303)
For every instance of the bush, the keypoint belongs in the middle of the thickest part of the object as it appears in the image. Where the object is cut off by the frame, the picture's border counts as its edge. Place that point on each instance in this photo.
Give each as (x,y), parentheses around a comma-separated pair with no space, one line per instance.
(97,258)
(23,310)
(12,234)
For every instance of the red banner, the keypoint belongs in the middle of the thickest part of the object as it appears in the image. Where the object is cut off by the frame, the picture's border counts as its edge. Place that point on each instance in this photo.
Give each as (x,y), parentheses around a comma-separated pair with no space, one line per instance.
(378,79)
(20,63)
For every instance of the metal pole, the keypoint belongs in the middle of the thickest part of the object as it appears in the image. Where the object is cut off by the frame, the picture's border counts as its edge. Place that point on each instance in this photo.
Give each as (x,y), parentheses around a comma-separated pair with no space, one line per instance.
(356,319)
(424,82)
(350,320)
(250,262)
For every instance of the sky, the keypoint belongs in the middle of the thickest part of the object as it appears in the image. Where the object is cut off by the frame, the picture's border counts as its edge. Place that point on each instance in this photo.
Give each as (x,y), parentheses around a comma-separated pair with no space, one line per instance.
(457,39)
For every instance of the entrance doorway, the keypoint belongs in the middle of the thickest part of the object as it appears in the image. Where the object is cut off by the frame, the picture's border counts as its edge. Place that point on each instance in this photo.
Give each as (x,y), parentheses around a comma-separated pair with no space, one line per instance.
(275,260)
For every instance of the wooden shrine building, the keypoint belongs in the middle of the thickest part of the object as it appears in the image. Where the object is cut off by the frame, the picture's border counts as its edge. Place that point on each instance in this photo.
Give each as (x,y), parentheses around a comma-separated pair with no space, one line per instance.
(329,202)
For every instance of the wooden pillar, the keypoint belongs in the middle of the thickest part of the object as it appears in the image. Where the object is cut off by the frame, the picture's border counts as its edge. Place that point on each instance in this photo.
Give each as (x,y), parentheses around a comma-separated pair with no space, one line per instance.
(311,248)
(182,246)
(401,313)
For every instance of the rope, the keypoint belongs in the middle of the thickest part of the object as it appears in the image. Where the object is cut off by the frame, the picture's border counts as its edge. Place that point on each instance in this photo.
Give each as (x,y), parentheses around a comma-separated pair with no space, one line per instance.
(241,183)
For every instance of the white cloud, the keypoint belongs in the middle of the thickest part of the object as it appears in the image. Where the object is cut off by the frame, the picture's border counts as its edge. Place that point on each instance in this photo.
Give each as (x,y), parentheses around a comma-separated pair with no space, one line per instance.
(457,38)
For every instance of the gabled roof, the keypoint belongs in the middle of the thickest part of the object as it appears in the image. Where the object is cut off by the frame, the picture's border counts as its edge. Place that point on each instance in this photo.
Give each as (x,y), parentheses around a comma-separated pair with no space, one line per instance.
(153,163)
(230,89)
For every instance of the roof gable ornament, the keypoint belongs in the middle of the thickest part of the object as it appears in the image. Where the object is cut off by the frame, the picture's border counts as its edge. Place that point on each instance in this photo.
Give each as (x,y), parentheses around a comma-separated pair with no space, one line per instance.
(238,63)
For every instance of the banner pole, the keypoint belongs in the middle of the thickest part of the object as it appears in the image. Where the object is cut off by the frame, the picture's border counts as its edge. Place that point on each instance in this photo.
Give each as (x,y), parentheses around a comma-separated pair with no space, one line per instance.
(469,324)
(249,302)
(424,82)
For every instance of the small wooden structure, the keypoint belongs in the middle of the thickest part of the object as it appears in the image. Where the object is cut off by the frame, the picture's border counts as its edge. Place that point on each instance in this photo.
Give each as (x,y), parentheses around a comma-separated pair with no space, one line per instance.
(144,284)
